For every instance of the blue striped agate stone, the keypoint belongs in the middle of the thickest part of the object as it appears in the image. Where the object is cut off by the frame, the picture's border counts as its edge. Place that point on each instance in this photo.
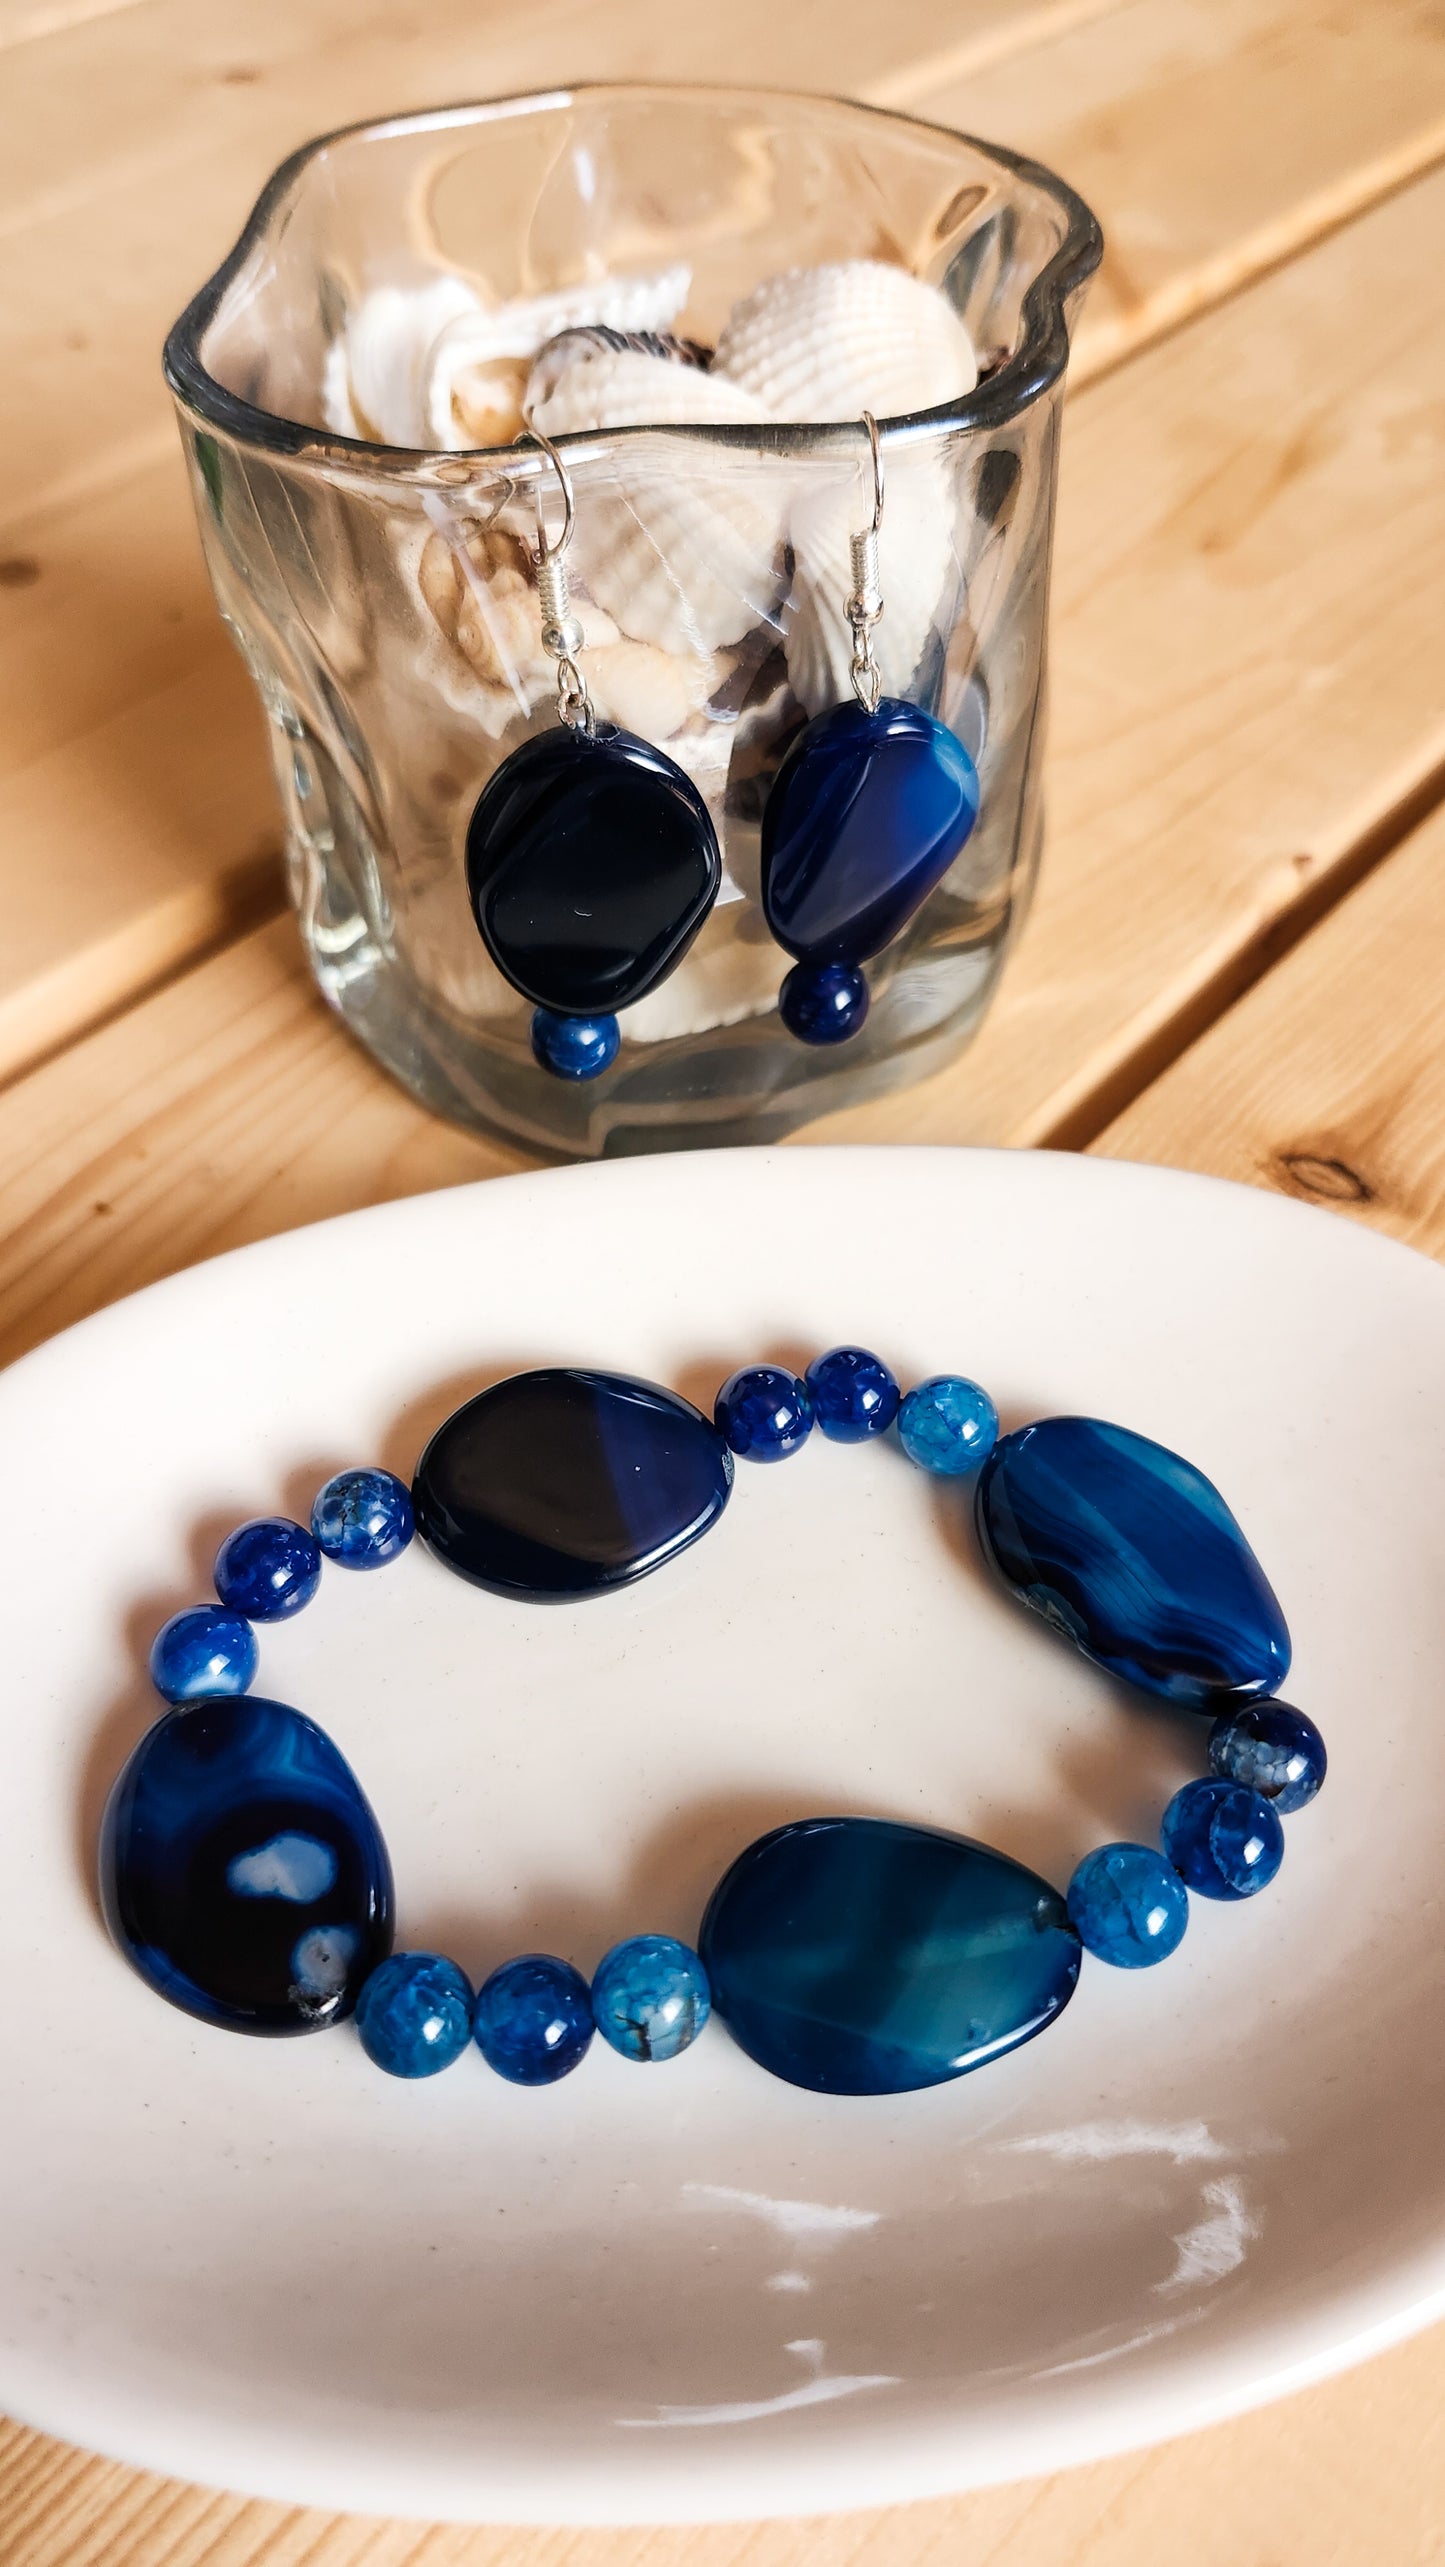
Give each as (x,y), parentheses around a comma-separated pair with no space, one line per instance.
(242,1872)
(563,1483)
(860,1956)
(1133,1555)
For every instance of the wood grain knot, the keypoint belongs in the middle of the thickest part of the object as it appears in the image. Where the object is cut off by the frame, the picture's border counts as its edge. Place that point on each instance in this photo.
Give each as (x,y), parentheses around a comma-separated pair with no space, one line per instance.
(1332,1180)
(19,570)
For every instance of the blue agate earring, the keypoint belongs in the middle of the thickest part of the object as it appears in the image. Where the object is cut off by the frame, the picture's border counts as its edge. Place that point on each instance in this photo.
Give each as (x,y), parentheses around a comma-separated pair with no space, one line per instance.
(591,859)
(866,813)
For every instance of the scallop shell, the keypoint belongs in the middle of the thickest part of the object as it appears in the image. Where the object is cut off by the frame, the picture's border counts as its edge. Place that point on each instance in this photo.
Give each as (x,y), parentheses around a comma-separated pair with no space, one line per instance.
(724,978)
(476,365)
(647,690)
(918,565)
(379,381)
(830,342)
(683,554)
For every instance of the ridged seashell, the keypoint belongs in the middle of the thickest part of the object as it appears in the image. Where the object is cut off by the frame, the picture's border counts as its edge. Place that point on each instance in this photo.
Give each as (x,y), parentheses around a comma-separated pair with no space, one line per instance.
(725,978)
(687,557)
(917,564)
(830,342)
(476,366)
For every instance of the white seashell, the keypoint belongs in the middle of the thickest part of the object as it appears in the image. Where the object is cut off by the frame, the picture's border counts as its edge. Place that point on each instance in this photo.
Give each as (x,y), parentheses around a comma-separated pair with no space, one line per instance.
(824,343)
(724,979)
(476,364)
(647,690)
(684,551)
(917,563)
(388,341)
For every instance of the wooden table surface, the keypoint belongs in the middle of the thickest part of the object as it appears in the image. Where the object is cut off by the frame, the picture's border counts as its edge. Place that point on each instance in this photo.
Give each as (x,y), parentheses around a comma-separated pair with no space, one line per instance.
(1234,962)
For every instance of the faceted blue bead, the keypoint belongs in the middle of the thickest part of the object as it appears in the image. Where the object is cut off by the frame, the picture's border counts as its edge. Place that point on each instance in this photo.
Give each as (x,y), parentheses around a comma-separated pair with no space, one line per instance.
(362,1519)
(205,1650)
(241,1869)
(1273,1749)
(268,1568)
(533,2019)
(860,1956)
(1128,1906)
(854,1395)
(414,2014)
(947,1425)
(764,1412)
(575,1047)
(567,1483)
(822,1002)
(591,864)
(865,816)
(650,1997)
(1223,1838)
(1133,1555)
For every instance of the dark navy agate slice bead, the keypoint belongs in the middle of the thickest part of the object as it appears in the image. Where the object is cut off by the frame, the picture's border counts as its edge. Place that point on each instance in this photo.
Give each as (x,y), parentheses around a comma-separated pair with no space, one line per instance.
(865,816)
(859,1956)
(1133,1555)
(242,1871)
(591,865)
(564,1483)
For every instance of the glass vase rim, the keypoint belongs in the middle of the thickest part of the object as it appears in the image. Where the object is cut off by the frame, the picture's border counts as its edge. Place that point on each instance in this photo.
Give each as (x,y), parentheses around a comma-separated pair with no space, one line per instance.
(1032,368)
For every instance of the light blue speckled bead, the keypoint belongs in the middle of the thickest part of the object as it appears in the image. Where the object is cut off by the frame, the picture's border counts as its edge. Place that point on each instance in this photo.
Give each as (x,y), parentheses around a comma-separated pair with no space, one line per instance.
(203,1651)
(1273,1748)
(1128,1906)
(414,2014)
(363,1518)
(650,1997)
(948,1425)
(532,2021)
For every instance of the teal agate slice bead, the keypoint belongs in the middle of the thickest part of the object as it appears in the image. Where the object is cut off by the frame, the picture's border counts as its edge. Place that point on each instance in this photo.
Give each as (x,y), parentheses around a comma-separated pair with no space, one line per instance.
(859,1956)
(1133,1555)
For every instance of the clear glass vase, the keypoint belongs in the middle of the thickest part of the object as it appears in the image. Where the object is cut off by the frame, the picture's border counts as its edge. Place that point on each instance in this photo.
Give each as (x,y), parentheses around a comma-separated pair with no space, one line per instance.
(379,593)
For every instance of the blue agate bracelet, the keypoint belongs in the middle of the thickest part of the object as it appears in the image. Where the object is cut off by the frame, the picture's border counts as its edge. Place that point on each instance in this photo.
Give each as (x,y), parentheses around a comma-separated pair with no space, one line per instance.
(245,1877)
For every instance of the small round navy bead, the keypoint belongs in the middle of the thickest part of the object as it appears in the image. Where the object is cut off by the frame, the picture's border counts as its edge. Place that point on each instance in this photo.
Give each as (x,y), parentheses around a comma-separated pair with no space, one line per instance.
(268,1568)
(414,2014)
(574,1047)
(362,1519)
(823,1002)
(1223,1839)
(1128,1906)
(948,1425)
(763,1412)
(650,1997)
(203,1651)
(854,1395)
(1273,1749)
(533,2019)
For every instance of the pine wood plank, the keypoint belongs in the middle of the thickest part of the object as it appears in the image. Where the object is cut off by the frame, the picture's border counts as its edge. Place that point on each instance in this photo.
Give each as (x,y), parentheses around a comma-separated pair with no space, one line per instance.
(1103,89)
(1328,1080)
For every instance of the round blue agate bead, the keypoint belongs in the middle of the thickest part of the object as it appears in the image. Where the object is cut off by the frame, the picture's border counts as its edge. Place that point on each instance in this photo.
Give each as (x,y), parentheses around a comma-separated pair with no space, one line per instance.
(823,1002)
(1224,1839)
(1128,1906)
(363,1518)
(268,1568)
(574,1047)
(764,1412)
(948,1425)
(1273,1749)
(650,1997)
(532,2020)
(854,1395)
(414,2014)
(203,1651)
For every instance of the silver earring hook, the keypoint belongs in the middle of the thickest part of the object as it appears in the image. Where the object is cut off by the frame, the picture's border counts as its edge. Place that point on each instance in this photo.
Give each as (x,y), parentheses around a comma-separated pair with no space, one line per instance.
(562,635)
(864,604)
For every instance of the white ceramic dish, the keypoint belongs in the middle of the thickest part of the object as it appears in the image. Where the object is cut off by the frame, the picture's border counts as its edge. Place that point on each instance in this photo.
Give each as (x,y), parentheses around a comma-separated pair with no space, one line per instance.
(693,2292)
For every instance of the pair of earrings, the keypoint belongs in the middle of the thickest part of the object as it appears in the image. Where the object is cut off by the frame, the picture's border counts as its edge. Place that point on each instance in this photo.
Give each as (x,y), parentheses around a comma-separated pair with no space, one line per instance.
(592,861)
